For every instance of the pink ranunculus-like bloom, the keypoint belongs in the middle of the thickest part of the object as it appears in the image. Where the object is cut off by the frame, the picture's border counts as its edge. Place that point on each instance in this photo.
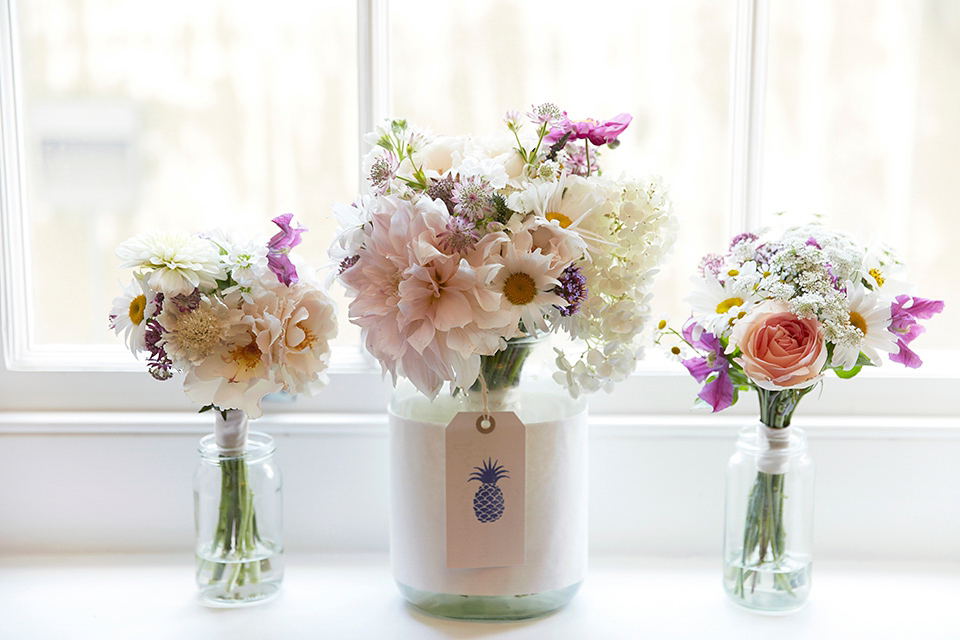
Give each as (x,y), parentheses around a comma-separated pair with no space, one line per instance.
(779,349)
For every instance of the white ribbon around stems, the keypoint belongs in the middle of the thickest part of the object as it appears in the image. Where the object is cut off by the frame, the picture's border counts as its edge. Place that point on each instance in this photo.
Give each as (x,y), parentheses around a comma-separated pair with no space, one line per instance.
(775,459)
(231,432)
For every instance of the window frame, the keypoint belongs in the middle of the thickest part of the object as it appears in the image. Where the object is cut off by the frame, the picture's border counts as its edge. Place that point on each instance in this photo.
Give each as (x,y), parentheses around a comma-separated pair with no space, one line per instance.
(80,373)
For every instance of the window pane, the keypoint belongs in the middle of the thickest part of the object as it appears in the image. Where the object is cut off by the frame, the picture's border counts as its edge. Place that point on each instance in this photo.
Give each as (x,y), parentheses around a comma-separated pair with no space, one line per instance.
(862,127)
(183,116)
(458,67)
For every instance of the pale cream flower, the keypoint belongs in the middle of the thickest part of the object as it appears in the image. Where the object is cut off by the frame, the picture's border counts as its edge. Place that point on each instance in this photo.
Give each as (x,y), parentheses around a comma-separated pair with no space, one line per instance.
(194,331)
(173,263)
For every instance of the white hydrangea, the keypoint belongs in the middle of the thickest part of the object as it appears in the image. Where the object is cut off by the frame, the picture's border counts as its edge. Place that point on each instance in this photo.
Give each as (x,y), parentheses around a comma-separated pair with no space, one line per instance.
(639,231)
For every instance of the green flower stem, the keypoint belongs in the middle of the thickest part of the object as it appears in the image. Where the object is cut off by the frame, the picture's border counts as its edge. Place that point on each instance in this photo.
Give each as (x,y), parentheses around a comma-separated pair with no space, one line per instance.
(236,537)
(764,535)
(502,370)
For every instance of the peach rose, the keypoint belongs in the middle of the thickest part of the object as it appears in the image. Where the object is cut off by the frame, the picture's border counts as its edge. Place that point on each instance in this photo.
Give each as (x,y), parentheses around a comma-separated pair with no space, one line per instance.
(779,350)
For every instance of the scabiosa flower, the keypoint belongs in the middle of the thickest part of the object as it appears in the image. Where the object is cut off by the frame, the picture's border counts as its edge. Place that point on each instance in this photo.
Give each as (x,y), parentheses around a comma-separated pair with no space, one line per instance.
(472,199)
(194,328)
(460,236)
(572,288)
(279,247)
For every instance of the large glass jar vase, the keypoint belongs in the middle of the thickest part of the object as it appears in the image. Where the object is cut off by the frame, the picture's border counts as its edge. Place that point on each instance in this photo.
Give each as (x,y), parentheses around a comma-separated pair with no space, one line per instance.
(768,528)
(517,380)
(238,521)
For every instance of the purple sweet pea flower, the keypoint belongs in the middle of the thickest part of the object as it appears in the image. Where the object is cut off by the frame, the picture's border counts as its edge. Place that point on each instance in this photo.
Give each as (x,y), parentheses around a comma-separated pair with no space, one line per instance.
(904,325)
(718,393)
(278,248)
(599,133)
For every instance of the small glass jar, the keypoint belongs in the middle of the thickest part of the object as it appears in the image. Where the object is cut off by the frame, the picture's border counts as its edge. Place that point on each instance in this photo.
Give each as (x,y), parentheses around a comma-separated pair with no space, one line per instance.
(517,380)
(238,522)
(768,525)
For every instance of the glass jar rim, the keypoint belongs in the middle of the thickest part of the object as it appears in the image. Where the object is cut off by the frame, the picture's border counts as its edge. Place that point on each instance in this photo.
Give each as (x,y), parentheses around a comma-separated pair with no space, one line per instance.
(259,446)
(749,441)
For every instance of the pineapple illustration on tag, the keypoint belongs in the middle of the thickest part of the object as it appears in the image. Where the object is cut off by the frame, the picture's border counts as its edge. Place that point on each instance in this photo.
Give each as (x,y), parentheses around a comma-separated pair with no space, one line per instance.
(488,501)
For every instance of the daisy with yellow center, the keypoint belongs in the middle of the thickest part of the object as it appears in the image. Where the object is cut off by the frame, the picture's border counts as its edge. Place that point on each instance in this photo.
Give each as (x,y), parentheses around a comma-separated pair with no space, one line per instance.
(130,312)
(867,333)
(526,284)
(718,305)
(569,203)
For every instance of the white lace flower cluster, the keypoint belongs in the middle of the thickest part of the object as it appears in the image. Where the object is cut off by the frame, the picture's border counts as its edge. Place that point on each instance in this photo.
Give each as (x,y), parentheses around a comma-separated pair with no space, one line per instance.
(461,243)
(235,315)
(819,274)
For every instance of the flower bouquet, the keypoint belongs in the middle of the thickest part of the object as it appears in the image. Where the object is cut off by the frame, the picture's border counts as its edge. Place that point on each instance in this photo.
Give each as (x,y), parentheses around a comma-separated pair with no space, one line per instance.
(462,253)
(240,321)
(461,244)
(775,314)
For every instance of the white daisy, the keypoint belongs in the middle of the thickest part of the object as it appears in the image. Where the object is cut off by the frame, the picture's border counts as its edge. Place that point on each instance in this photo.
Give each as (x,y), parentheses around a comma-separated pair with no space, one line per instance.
(173,263)
(867,332)
(130,312)
(565,203)
(718,305)
(527,288)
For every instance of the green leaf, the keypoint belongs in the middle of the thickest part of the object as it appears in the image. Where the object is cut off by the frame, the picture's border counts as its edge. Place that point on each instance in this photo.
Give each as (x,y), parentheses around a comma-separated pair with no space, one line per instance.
(846,375)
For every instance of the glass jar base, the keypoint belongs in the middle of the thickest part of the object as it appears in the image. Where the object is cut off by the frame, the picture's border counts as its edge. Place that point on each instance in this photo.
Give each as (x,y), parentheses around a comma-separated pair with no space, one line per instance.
(769,588)
(219,596)
(459,607)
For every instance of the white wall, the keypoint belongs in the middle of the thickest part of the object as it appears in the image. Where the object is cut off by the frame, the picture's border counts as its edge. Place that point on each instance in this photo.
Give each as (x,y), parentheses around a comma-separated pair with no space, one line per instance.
(88,482)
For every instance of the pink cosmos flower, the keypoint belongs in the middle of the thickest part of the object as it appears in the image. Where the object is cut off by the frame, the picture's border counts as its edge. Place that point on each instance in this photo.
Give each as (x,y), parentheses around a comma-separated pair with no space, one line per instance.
(599,133)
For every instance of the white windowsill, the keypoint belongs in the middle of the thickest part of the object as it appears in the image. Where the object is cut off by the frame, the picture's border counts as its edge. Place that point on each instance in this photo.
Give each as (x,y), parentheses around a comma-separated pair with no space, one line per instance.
(353,596)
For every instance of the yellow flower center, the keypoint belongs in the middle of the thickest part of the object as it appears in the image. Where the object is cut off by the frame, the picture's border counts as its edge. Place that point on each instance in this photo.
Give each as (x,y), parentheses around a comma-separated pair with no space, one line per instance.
(728,304)
(877,276)
(733,272)
(563,220)
(662,325)
(137,306)
(520,289)
(675,351)
(246,359)
(309,337)
(857,320)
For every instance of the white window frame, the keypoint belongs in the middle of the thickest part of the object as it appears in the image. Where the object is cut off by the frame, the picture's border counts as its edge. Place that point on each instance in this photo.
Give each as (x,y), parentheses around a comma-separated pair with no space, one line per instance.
(40,377)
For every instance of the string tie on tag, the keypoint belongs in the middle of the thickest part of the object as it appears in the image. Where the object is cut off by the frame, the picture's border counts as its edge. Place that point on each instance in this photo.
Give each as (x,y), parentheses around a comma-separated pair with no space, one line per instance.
(485,423)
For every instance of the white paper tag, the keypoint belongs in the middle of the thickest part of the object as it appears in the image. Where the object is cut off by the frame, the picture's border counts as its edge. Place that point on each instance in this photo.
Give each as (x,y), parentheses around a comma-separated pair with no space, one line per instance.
(486,490)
